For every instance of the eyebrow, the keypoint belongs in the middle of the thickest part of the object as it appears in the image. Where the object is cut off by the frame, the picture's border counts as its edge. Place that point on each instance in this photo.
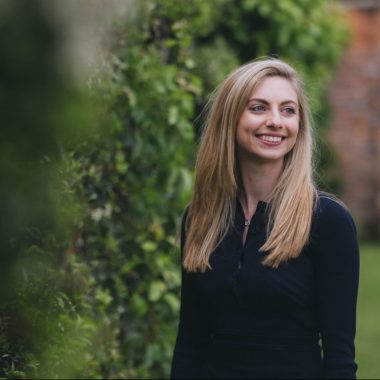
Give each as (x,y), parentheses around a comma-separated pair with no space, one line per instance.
(266,102)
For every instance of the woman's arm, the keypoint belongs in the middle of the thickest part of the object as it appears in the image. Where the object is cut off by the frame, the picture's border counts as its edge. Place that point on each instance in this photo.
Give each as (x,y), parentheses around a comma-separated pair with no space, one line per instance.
(192,338)
(337,273)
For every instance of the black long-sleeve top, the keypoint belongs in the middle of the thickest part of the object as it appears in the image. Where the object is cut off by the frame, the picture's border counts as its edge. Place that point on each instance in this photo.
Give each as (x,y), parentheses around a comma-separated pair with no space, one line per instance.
(245,320)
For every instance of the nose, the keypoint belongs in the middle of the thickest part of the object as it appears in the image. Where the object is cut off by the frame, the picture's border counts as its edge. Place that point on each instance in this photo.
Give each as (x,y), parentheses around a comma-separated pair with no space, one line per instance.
(274,119)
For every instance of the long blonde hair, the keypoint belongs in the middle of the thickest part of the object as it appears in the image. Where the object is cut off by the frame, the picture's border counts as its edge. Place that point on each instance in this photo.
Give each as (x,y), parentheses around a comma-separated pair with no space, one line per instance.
(212,209)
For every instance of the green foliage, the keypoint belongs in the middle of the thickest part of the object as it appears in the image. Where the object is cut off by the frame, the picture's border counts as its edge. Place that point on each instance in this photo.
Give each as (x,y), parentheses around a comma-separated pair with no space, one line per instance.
(135,181)
(92,269)
(42,113)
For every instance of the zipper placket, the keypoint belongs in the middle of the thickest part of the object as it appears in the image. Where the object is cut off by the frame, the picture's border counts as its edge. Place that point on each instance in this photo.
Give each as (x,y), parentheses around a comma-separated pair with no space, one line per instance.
(247,224)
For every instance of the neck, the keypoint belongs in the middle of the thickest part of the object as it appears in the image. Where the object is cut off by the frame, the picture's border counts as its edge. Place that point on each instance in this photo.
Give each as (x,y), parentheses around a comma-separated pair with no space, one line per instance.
(258,180)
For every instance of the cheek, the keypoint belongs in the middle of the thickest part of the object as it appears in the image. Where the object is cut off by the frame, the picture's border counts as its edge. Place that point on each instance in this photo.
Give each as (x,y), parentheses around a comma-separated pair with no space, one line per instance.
(294,132)
(294,129)
(241,129)
(247,124)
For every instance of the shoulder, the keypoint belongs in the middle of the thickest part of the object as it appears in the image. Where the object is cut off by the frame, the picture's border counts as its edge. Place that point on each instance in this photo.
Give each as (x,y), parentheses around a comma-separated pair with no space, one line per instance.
(333,238)
(331,213)
(328,206)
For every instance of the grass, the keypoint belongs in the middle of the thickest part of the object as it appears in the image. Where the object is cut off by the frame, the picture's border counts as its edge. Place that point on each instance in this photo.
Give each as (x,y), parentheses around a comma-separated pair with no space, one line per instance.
(368,313)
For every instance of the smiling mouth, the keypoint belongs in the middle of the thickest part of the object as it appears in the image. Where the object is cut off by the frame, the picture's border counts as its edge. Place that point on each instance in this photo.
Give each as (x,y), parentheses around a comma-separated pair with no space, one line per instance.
(271,139)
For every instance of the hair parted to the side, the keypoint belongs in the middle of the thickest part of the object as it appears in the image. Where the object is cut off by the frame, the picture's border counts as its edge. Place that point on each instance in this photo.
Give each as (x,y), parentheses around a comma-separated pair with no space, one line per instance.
(212,209)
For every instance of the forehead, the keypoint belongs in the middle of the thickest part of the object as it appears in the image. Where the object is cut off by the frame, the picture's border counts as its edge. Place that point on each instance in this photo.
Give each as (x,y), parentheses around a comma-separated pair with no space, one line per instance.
(275,89)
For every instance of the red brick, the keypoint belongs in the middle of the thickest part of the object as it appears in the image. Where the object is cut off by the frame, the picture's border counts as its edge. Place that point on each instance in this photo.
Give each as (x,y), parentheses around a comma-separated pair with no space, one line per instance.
(355,127)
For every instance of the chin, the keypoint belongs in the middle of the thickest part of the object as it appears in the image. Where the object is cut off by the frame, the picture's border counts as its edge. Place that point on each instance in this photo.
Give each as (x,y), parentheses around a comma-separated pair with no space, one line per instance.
(270,157)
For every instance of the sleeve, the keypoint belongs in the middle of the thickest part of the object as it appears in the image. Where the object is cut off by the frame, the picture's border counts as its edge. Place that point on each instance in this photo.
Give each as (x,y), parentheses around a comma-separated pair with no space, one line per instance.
(337,275)
(192,337)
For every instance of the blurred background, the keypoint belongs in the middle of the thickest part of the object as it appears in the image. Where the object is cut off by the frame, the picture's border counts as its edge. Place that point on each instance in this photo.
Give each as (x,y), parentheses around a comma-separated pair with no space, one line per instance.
(99,127)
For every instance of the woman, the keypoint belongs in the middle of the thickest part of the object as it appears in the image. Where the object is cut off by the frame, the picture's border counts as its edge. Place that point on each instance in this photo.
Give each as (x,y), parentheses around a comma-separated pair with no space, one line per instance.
(269,264)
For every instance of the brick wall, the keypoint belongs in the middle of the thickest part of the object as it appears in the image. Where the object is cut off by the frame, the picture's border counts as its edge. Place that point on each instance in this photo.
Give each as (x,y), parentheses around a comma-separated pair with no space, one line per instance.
(355,128)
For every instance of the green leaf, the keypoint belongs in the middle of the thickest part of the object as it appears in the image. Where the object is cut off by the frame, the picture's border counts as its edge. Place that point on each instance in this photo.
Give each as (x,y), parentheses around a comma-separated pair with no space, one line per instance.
(172,301)
(156,289)
(149,246)
(139,305)
(173,115)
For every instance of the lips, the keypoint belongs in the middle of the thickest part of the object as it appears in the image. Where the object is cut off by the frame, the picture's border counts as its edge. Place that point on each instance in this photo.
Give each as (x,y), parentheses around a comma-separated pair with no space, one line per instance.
(271,139)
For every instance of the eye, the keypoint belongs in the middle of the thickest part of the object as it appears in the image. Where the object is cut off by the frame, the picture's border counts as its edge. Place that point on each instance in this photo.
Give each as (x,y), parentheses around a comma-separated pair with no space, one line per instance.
(289,110)
(257,108)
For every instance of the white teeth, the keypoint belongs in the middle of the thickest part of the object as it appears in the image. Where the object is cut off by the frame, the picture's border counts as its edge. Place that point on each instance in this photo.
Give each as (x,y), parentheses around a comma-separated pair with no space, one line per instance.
(270,138)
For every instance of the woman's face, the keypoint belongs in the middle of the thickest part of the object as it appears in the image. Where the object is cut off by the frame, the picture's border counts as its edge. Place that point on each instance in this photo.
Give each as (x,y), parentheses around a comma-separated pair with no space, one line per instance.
(269,124)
